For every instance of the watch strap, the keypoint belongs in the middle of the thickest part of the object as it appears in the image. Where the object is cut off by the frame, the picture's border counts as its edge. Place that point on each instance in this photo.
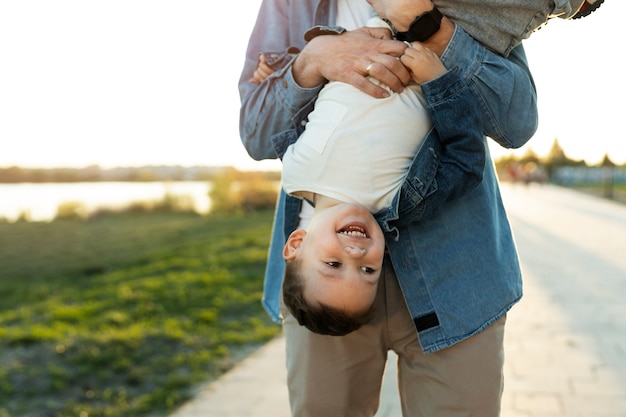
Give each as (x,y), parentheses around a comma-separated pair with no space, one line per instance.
(423,27)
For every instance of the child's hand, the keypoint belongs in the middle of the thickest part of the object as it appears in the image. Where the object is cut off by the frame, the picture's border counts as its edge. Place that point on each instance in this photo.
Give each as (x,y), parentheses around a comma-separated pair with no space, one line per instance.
(423,63)
(262,71)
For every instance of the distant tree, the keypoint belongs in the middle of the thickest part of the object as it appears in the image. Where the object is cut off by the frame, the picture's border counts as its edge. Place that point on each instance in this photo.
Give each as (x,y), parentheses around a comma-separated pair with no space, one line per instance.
(607,180)
(257,193)
(11,174)
(142,175)
(223,197)
(606,161)
(529,157)
(233,192)
(557,158)
(556,155)
(71,210)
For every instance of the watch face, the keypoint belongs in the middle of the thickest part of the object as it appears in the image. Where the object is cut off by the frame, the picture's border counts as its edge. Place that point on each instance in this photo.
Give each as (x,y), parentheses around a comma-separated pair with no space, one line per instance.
(427,29)
(423,27)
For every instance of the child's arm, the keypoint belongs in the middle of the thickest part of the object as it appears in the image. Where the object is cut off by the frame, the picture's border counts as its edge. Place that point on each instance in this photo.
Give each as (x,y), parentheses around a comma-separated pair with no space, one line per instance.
(504,86)
(450,162)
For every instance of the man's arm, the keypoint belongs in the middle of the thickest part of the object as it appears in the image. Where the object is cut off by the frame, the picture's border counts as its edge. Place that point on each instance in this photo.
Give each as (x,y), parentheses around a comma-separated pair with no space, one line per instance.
(350,58)
(401,14)
(505,88)
(279,103)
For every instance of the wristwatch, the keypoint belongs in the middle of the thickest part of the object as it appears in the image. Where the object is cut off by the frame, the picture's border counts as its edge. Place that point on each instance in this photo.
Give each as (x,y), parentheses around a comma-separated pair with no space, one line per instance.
(423,27)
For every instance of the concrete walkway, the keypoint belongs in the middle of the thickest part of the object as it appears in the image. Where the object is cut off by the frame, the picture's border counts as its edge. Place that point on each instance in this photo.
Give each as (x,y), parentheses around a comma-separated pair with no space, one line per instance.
(566,340)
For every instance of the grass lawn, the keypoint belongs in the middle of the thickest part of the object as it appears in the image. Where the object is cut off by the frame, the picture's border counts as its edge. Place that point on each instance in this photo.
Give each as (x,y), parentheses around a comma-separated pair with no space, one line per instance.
(125,315)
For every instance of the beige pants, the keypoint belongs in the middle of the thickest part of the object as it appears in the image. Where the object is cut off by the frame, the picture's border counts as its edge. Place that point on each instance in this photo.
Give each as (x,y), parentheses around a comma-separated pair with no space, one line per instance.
(342,376)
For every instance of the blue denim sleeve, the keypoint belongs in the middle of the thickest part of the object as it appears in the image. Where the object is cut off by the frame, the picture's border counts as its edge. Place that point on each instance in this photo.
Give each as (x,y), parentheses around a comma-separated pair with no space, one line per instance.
(505,89)
(450,162)
(286,220)
(277,104)
(275,267)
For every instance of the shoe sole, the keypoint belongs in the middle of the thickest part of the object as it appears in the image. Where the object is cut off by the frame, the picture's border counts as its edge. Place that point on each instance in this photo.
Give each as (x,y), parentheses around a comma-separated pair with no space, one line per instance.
(588,10)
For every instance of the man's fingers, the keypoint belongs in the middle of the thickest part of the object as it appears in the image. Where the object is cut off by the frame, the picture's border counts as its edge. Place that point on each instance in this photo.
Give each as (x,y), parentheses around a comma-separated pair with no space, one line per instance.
(390,71)
(365,85)
(378,33)
(351,57)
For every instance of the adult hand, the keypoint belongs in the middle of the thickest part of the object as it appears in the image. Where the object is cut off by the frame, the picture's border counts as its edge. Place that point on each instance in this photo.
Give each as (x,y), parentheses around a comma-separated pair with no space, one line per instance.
(351,57)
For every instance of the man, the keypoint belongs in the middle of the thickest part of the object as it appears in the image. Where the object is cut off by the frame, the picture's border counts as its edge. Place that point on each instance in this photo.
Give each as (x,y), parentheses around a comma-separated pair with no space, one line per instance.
(449,280)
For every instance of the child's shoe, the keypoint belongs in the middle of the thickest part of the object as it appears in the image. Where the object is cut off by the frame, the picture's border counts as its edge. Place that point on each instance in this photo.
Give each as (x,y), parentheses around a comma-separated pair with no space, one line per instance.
(587,8)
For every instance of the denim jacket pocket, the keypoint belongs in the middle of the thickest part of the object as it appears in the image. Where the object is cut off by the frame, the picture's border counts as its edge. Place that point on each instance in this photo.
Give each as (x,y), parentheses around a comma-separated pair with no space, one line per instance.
(410,203)
(418,187)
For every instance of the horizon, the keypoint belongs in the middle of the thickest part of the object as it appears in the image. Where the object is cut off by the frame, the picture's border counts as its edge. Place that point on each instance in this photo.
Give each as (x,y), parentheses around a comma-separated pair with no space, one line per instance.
(148,165)
(515,154)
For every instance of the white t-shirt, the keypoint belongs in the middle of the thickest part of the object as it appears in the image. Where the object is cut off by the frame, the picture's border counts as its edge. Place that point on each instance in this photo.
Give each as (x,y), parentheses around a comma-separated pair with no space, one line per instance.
(353,14)
(357,148)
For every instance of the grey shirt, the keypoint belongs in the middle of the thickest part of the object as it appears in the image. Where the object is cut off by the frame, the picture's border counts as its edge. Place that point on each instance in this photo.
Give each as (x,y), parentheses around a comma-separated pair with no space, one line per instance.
(502,24)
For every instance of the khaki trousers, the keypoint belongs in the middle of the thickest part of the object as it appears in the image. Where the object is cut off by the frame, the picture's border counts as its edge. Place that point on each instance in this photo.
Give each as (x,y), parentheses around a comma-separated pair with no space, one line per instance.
(331,376)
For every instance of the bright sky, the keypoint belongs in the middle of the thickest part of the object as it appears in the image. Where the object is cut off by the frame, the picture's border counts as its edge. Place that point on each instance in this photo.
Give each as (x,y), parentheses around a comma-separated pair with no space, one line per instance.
(139,82)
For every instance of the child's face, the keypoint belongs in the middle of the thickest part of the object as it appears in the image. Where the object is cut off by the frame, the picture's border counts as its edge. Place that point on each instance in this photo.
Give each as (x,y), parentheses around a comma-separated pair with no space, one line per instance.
(341,254)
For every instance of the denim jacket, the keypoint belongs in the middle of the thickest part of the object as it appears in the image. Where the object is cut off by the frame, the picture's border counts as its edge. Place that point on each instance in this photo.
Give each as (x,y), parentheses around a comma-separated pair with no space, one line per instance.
(457,267)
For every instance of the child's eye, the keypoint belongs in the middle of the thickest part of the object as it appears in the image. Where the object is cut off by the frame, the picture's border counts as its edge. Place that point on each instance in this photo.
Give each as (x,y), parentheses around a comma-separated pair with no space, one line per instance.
(368,270)
(334,264)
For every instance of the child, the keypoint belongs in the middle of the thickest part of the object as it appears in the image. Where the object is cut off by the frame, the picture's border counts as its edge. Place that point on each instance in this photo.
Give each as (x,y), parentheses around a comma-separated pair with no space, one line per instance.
(333,266)
(449,280)
(320,300)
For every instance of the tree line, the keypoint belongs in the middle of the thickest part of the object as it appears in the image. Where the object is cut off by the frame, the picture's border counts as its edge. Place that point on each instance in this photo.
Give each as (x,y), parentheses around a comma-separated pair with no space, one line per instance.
(531,164)
(94,173)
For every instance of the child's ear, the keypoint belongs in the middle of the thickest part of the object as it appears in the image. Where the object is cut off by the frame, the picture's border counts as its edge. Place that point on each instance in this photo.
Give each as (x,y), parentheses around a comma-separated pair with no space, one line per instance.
(293,244)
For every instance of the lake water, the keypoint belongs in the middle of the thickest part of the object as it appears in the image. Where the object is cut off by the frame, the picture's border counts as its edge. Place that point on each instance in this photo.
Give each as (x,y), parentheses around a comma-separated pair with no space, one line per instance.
(40,201)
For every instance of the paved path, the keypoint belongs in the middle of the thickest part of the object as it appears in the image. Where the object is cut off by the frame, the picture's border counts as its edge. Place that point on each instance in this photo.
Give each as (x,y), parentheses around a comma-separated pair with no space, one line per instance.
(566,340)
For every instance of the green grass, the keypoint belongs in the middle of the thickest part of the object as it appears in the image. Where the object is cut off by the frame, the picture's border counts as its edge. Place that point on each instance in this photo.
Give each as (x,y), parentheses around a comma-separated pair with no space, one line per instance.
(125,315)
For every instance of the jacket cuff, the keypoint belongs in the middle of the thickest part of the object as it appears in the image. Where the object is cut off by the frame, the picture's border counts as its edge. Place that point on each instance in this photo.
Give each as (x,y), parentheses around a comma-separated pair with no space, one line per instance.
(279,60)
(462,53)
(322,30)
